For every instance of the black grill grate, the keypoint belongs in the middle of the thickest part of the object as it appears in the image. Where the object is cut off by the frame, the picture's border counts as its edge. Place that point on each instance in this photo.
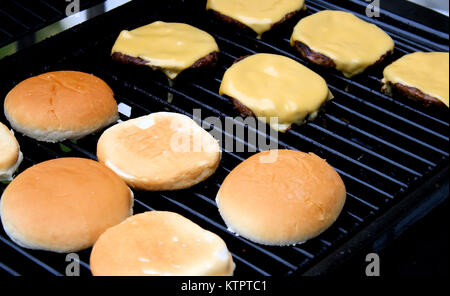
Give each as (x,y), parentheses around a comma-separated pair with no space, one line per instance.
(383,148)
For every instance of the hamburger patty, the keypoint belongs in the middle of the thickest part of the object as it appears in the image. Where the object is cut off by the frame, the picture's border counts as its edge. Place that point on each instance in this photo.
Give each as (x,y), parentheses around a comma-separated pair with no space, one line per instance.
(243,110)
(207,61)
(238,24)
(324,61)
(411,93)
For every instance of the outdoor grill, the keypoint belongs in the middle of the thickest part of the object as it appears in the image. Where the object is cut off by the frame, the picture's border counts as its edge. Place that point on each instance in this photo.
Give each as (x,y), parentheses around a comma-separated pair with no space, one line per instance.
(391,153)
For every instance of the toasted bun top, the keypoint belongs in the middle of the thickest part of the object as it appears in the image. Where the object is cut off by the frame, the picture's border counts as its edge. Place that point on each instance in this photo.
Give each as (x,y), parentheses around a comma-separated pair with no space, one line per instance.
(160,148)
(171,47)
(426,71)
(350,42)
(61,101)
(281,197)
(259,15)
(64,204)
(274,86)
(160,243)
(9,148)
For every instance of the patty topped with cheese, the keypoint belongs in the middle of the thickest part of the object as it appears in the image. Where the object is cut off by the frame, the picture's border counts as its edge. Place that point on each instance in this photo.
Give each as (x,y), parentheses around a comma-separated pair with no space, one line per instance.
(340,40)
(276,89)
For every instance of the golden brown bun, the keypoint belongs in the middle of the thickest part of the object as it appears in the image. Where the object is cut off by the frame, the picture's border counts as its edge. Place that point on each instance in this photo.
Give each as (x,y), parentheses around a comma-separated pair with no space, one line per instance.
(10,155)
(63,205)
(160,243)
(146,152)
(61,105)
(281,197)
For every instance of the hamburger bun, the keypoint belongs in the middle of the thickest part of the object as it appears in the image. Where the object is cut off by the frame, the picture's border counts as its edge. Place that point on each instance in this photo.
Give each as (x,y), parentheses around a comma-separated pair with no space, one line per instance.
(10,155)
(63,205)
(160,243)
(281,197)
(160,151)
(57,106)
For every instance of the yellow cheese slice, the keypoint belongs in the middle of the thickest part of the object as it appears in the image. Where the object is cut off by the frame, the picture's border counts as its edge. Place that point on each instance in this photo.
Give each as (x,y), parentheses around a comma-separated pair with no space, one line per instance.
(274,86)
(426,71)
(171,47)
(259,15)
(350,42)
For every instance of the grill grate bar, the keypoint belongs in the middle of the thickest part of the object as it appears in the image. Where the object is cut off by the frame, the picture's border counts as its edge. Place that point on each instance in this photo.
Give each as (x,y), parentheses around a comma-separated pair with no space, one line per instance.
(364,183)
(389,113)
(349,159)
(6,33)
(17,3)
(252,266)
(15,20)
(380,140)
(50,6)
(397,102)
(373,207)
(307,254)
(356,217)
(377,155)
(9,270)
(29,256)
(386,127)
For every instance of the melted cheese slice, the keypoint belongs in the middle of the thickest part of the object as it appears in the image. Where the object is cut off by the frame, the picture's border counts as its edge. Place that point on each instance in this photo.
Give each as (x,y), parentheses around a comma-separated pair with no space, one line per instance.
(172,47)
(428,72)
(275,86)
(350,42)
(259,15)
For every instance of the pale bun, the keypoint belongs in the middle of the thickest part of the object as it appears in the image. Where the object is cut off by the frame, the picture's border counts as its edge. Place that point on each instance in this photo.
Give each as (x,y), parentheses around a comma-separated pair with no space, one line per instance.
(63,205)
(160,243)
(57,106)
(146,152)
(281,197)
(10,154)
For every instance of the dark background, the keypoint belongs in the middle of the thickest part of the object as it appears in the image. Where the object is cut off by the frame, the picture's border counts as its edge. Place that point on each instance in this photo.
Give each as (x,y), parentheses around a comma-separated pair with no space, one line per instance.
(422,250)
